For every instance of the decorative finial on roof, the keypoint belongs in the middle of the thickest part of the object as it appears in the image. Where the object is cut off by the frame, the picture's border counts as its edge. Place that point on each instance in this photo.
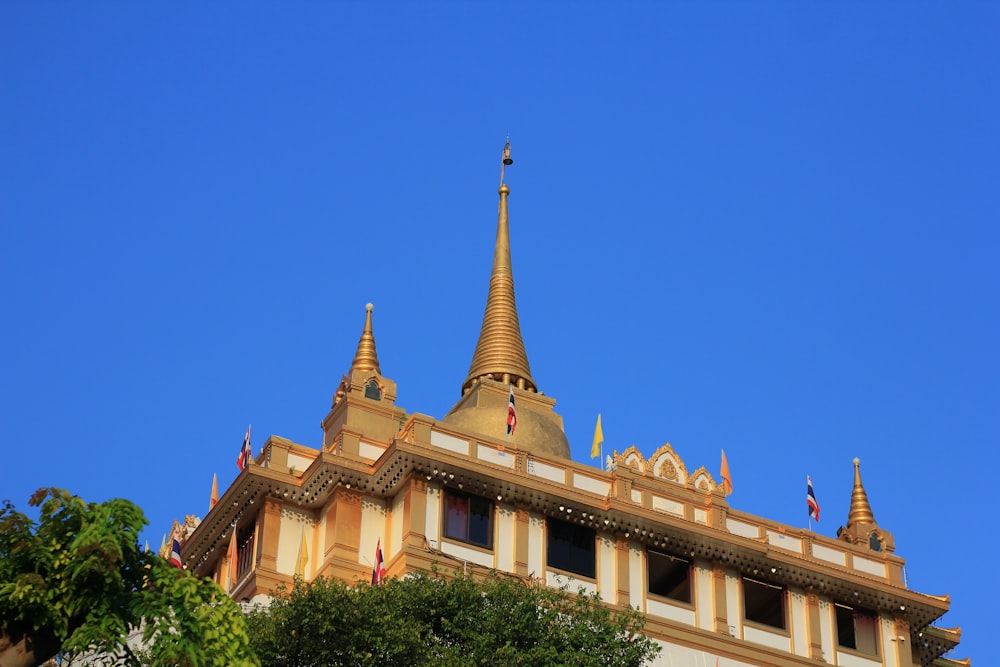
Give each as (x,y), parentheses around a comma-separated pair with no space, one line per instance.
(366,359)
(861,511)
(507,160)
(500,353)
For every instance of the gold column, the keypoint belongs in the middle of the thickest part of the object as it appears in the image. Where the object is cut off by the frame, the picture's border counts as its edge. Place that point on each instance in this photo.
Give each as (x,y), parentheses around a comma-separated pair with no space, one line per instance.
(813,633)
(343,526)
(415,514)
(521,542)
(270,522)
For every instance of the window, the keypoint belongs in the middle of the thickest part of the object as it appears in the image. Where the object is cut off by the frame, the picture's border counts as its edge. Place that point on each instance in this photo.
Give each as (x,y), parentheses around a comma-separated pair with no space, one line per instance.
(372,390)
(572,548)
(764,603)
(857,628)
(245,550)
(668,576)
(468,518)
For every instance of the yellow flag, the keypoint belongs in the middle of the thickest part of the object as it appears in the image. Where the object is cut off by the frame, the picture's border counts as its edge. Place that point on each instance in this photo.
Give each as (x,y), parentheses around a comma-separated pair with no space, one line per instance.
(595,449)
(303,558)
(727,480)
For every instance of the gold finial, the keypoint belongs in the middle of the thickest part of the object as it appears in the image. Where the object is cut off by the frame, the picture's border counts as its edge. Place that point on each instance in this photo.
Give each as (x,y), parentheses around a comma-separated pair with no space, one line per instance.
(507,159)
(366,359)
(861,511)
(500,353)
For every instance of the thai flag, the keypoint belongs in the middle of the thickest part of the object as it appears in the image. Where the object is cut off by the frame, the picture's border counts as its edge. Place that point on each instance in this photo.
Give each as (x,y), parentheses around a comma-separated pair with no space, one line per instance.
(511,413)
(378,569)
(246,453)
(175,550)
(811,499)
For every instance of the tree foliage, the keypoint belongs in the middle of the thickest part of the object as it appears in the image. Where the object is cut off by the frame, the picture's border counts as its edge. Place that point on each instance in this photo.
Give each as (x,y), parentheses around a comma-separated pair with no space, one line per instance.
(432,620)
(77,582)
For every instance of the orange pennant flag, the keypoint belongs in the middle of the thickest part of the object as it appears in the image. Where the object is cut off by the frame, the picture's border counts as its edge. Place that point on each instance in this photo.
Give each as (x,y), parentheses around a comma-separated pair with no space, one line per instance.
(727,480)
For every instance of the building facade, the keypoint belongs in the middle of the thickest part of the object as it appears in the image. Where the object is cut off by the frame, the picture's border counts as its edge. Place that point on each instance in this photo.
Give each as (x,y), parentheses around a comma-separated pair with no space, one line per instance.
(718,586)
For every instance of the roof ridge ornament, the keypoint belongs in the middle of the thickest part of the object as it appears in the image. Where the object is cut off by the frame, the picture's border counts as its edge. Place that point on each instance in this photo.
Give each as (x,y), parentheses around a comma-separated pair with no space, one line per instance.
(500,353)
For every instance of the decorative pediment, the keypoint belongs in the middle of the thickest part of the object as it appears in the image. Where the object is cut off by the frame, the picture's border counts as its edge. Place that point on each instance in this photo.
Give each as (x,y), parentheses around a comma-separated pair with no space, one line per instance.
(631,458)
(702,480)
(665,464)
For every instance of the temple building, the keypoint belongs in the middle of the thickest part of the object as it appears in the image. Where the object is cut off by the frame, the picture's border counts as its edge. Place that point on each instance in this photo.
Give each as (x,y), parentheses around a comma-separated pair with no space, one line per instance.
(717,585)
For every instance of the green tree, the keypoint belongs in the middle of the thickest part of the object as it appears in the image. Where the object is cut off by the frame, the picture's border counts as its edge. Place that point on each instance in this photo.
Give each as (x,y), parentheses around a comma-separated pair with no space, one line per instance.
(432,620)
(77,582)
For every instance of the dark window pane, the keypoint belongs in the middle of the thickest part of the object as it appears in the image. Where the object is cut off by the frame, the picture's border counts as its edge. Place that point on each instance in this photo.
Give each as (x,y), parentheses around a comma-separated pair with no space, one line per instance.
(572,548)
(480,513)
(845,626)
(468,518)
(372,390)
(857,629)
(764,603)
(668,576)
(457,522)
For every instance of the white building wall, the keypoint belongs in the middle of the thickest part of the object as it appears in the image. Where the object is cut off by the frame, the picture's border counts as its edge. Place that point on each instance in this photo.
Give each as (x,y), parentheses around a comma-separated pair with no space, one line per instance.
(536,545)
(890,646)
(607,568)
(734,603)
(289,538)
(636,576)
(373,528)
(703,600)
(672,655)
(798,622)
(775,640)
(826,629)
(503,541)
(395,527)
(432,516)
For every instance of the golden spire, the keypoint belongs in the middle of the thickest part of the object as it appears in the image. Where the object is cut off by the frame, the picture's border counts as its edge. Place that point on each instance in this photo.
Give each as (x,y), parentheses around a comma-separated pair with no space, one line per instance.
(500,353)
(366,358)
(861,511)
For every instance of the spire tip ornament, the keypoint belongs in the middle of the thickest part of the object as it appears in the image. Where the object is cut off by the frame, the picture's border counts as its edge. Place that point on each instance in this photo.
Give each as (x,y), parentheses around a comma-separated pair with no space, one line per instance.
(506,161)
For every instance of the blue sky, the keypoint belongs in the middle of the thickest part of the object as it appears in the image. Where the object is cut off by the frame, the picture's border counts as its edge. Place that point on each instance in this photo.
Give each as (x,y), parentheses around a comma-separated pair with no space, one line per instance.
(765,227)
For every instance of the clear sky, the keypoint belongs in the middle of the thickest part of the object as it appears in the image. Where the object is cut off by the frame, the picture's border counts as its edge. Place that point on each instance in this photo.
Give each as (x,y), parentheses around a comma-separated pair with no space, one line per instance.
(766,227)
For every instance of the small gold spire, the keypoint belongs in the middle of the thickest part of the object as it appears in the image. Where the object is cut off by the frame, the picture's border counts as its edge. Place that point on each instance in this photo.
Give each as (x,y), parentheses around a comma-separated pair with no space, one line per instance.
(366,358)
(500,352)
(861,511)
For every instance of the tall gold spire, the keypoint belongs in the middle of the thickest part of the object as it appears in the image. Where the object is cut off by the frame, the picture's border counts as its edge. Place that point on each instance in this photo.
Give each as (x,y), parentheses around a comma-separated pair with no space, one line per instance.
(861,511)
(366,359)
(500,353)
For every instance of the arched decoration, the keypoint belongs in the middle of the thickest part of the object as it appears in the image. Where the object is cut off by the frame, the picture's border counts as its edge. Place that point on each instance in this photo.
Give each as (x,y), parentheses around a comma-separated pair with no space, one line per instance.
(701,480)
(631,458)
(667,465)
(373,389)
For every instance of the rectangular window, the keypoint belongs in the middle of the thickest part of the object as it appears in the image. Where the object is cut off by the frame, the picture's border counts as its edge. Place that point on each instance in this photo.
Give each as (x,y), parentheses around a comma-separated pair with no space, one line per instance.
(468,518)
(764,603)
(857,629)
(245,550)
(668,576)
(572,548)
